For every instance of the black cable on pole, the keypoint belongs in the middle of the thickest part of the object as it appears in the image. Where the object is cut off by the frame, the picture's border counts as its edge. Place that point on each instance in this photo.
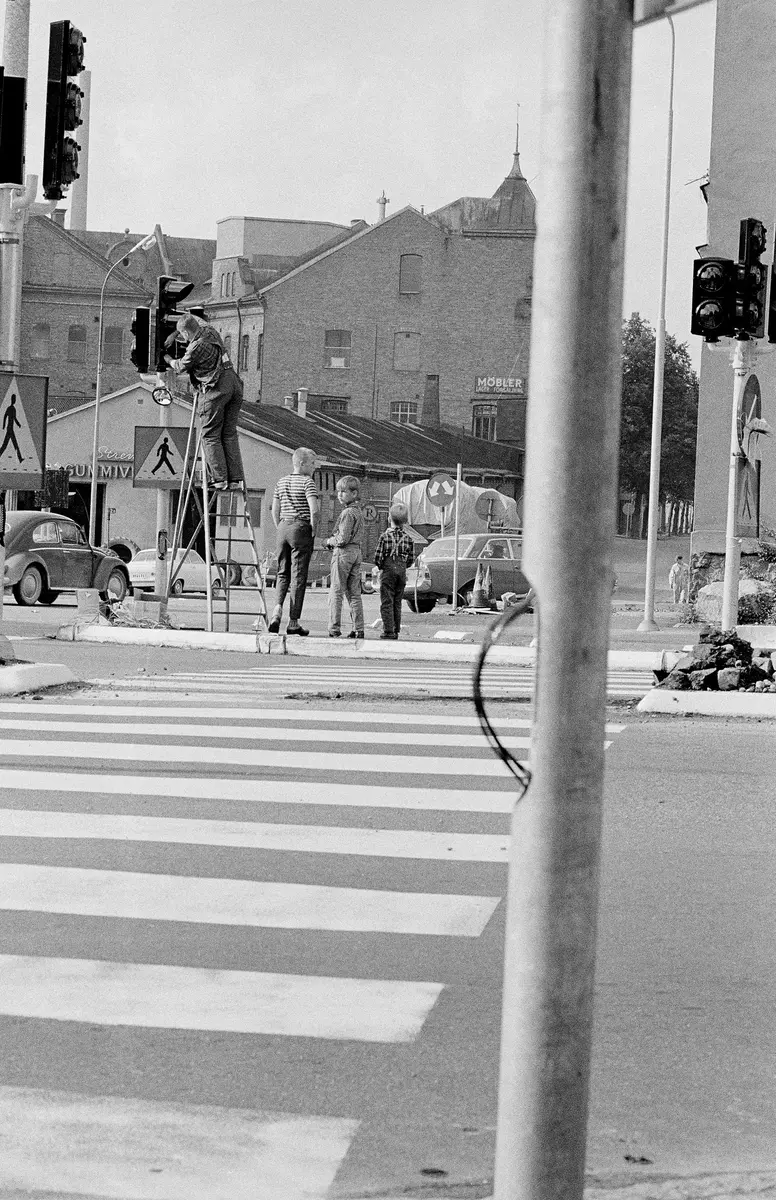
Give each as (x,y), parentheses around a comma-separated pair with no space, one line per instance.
(521,773)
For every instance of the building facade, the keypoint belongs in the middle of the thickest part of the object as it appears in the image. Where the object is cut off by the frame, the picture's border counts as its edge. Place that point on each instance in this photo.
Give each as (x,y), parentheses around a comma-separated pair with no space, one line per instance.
(742,177)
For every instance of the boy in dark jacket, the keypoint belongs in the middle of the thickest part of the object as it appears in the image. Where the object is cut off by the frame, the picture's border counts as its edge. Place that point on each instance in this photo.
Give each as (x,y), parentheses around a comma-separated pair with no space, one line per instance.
(345,544)
(394,553)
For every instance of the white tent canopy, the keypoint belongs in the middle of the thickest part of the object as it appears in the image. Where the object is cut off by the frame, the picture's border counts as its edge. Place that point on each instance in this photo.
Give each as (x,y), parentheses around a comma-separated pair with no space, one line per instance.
(423,512)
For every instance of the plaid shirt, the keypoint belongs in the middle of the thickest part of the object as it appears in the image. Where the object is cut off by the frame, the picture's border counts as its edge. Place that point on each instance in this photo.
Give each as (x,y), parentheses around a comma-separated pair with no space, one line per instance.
(395,543)
(205,358)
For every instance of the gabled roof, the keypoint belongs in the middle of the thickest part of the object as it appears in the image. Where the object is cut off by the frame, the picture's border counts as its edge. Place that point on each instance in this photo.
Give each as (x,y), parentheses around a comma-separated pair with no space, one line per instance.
(510,211)
(119,280)
(338,242)
(191,258)
(343,440)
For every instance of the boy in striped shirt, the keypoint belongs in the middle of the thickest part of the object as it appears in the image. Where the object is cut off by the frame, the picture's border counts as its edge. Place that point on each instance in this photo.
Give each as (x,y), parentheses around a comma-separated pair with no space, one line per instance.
(295,511)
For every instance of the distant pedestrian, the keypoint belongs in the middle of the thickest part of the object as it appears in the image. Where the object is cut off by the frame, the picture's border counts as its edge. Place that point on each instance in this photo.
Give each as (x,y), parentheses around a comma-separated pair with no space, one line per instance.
(679,579)
(295,511)
(395,552)
(345,543)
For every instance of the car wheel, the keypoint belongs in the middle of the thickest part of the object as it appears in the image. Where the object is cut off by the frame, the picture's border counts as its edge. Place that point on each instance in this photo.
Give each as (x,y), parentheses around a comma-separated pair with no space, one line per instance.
(217,584)
(30,587)
(426,603)
(250,577)
(117,586)
(47,596)
(411,605)
(177,588)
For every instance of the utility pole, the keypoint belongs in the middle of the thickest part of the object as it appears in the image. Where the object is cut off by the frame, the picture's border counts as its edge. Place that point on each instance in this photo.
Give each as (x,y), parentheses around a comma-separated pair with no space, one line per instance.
(16,195)
(571,494)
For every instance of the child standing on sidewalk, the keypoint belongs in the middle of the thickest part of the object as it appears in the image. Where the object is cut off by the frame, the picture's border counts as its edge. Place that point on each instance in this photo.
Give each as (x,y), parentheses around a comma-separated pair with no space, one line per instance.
(395,552)
(345,543)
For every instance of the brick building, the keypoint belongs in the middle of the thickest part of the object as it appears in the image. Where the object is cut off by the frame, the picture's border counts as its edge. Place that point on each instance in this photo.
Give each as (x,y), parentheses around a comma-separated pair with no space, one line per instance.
(418,307)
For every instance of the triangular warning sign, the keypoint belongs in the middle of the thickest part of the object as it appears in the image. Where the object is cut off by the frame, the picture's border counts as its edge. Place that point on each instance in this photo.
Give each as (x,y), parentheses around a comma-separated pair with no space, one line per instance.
(18,454)
(163,464)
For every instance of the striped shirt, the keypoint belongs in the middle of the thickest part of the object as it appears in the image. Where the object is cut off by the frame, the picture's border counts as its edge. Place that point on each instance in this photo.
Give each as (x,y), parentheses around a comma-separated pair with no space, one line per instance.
(395,543)
(293,491)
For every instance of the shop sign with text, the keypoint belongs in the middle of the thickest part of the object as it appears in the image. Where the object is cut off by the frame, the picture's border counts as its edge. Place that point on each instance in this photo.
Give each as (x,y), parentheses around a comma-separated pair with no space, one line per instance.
(503,385)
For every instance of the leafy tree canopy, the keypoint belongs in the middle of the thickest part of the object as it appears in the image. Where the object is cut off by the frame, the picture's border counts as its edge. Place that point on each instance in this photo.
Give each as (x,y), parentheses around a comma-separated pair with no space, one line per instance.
(680,413)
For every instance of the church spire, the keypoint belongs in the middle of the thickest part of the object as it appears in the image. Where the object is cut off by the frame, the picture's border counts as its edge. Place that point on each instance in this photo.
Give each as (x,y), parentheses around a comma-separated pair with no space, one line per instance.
(516,173)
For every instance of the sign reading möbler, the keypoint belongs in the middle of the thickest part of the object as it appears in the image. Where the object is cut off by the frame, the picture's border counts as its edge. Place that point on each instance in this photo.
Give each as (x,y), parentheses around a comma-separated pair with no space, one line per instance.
(488,385)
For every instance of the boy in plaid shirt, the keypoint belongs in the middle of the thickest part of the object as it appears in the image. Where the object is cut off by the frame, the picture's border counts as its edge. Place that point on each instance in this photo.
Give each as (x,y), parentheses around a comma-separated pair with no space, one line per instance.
(394,553)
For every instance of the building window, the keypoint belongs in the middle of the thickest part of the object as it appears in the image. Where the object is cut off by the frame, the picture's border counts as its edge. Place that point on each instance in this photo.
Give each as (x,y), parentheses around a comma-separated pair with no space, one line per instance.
(40,343)
(484,421)
(404,412)
(113,344)
(228,344)
(76,344)
(336,348)
(223,285)
(259,351)
(245,345)
(332,404)
(410,273)
(406,352)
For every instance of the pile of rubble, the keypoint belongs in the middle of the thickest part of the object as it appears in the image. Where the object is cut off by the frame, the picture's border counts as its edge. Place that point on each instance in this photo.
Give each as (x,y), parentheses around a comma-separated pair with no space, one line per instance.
(721,662)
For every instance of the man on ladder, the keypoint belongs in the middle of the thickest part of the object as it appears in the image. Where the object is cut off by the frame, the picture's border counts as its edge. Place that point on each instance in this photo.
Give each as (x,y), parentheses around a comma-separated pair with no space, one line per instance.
(219,397)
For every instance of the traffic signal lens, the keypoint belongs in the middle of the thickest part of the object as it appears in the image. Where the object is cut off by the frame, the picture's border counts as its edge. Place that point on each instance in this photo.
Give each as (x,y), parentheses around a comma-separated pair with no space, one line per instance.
(711,277)
(710,316)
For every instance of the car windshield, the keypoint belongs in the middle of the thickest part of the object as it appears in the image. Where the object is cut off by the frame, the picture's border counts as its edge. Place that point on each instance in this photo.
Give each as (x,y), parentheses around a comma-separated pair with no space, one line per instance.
(445,547)
(144,556)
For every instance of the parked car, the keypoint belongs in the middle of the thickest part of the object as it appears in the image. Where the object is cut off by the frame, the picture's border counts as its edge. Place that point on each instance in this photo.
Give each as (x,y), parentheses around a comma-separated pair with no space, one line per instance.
(46,554)
(191,572)
(320,566)
(431,578)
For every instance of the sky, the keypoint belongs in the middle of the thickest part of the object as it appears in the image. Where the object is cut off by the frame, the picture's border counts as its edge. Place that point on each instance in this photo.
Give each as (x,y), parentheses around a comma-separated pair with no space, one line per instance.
(310,108)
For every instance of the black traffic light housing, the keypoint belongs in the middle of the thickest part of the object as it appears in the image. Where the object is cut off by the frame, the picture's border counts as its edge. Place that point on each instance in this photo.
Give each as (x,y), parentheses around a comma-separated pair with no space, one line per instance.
(141,346)
(63,109)
(752,279)
(713,298)
(169,293)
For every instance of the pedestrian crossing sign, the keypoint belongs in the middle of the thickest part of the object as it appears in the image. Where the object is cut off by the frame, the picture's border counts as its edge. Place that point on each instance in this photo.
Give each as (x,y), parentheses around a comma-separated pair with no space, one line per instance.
(23,403)
(159,456)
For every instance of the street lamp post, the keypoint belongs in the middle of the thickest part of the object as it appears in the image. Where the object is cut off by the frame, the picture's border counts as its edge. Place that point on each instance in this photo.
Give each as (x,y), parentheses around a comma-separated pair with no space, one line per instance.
(144,244)
(648,624)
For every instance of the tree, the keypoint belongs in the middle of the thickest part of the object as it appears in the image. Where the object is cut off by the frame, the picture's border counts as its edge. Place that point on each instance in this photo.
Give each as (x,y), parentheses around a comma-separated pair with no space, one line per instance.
(680,414)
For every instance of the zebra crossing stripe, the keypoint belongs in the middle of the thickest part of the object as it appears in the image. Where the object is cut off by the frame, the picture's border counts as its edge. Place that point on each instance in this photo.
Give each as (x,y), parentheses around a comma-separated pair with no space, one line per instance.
(254,835)
(111,1148)
(271,733)
(249,791)
(236,756)
(130,895)
(147,995)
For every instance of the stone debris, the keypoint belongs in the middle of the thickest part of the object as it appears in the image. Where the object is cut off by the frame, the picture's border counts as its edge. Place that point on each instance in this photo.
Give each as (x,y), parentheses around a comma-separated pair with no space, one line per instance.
(721,661)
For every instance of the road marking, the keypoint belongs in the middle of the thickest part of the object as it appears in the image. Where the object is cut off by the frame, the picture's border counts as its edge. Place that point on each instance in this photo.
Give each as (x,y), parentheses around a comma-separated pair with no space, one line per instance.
(130,895)
(268,733)
(111,1148)
(310,839)
(235,756)
(163,997)
(249,791)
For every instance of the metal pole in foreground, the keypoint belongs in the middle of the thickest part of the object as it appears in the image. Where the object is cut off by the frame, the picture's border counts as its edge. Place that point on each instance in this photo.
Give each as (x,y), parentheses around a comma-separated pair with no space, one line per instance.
(740,361)
(648,624)
(457,534)
(573,435)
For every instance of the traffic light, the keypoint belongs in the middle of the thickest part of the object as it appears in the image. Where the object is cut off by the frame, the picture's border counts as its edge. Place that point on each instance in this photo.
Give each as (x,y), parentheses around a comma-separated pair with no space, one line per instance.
(752,279)
(63,109)
(141,346)
(13,105)
(169,293)
(713,298)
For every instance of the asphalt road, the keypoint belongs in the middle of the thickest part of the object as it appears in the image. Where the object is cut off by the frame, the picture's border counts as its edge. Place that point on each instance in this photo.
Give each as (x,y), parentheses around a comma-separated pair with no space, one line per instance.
(226,949)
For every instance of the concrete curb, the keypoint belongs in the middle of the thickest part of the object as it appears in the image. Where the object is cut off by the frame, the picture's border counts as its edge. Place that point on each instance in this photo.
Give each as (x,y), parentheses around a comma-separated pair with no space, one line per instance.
(31,677)
(249,643)
(710,704)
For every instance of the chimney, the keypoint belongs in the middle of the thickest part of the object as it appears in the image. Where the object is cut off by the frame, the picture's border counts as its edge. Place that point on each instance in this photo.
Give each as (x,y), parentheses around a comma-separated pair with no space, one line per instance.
(382,200)
(289,402)
(301,401)
(58,217)
(429,412)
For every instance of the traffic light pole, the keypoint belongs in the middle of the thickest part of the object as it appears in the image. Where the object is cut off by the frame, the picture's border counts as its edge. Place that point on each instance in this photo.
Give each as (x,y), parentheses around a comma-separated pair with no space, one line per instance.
(741,362)
(571,495)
